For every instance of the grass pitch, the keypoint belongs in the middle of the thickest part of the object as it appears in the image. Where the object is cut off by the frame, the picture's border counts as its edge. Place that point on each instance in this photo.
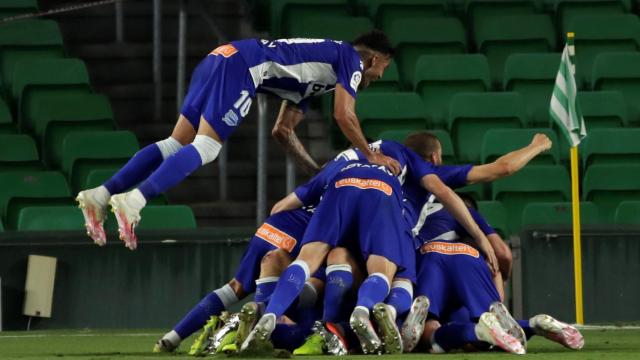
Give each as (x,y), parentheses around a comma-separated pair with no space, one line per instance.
(102,344)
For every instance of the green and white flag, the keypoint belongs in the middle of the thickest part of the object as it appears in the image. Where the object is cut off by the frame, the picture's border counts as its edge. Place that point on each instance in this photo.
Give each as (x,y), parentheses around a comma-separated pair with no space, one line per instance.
(564,109)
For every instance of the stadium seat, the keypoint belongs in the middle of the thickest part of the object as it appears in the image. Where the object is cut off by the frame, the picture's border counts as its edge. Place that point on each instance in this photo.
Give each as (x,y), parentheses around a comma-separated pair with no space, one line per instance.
(477,191)
(620,72)
(568,10)
(503,36)
(415,37)
(603,109)
(1,226)
(18,152)
(478,11)
(343,28)
(378,112)
(472,115)
(439,77)
(17,7)
(389,82)
(448,156)
(160,217)
(51,78)
(85,151)
(386,12)
(53,118)
(498,142)
(600,34)
(284,11)
(26,40)
(628,212)
(542,183)
(6,120)
(609,185)
(50,218)
(533,76)
(20,189)
(493,212)
(558,213)
(611,146)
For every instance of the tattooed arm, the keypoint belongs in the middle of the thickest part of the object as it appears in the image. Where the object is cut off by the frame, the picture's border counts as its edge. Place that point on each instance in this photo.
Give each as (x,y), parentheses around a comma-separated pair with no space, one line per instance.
(283,131)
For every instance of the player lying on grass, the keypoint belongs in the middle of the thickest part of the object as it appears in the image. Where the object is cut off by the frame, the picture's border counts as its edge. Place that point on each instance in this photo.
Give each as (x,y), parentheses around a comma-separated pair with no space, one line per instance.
(465,306)
(220,95)
(362,208)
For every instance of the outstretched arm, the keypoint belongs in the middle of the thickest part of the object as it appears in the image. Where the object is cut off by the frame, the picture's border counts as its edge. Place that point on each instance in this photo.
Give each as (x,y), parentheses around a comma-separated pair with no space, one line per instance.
(452,202)
(289,202)
(283,131)
(510,163)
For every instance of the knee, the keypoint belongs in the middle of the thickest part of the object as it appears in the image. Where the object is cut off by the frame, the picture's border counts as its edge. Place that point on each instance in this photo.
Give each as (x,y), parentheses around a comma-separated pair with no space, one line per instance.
(274,262)
(338,255)
(168,146)
(208,148)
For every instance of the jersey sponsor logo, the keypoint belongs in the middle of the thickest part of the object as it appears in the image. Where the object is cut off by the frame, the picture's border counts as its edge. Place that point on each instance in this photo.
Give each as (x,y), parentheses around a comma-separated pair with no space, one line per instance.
(231,118)
(449,248)
(365,184)
(276,237)
(355,80)
(225,50)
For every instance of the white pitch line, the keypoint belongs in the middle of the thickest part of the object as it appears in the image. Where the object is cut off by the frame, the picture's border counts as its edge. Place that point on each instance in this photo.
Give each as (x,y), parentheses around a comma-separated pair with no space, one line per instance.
(74,335)
(607,327)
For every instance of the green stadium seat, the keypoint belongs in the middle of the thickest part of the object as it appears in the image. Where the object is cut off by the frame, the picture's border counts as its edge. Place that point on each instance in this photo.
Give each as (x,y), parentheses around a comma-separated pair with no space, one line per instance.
(345,28)
(620,72)
(1,226)
(160,217)
(478,11)
(386,12)
(54,117)
(609,185)
(533,76)
(500,37)
(611,146)
(439,77)
(477,191)
(558,213)
(20,189)
(6,120)
(498,142)
(378,112)
(415,37)
(472,115)
(628,212)
(18,152)
(283,12)
(85,151)
(47,78)
(389,82)
(17,7)
(50,218)
(448,156)
(542,183)
(603,109)
(26,40)
(568,10)
(599,34)
(493,212)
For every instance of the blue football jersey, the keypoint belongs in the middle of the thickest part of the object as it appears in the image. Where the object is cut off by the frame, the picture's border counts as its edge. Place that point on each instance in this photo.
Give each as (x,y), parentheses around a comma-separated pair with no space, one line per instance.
(297,69)
(441,225)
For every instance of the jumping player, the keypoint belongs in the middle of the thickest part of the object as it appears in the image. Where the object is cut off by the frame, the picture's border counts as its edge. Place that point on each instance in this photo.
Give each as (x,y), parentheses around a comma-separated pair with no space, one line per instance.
(220,95)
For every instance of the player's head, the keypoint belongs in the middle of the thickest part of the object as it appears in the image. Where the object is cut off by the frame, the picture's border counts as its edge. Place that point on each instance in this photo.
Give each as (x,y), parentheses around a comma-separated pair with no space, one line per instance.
(468,200)
(375,52)
(426,145)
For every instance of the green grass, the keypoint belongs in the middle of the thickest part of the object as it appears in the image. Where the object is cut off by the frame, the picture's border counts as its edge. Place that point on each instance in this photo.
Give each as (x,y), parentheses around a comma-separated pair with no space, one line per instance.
(92,344)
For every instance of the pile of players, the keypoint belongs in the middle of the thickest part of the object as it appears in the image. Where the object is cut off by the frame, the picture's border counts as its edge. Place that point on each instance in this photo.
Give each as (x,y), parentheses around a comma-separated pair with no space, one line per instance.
(362,259)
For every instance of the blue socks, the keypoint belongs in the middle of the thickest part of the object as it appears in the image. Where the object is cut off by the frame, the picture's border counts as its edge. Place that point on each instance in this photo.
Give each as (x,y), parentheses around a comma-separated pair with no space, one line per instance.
(264,289)
(290,337)
(138,168)
(528,331)
(198,316)
(373,290)
(454,336)
(338,284)
(288,288)
(171,172)
(400,297)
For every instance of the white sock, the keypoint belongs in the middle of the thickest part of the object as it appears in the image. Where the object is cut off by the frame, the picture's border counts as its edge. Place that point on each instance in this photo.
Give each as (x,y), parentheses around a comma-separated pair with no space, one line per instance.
(136,199)
(172,337)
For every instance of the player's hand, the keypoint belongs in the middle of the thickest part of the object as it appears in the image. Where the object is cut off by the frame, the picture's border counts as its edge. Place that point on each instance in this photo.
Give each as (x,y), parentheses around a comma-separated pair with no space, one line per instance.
(490,255)
(542,141)
(381,159)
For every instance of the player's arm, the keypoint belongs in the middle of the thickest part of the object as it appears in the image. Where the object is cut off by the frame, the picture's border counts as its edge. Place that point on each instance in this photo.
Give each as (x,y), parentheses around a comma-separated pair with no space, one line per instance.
(345,114)
(283,131)
(289,202)
(510,163)
(456,207)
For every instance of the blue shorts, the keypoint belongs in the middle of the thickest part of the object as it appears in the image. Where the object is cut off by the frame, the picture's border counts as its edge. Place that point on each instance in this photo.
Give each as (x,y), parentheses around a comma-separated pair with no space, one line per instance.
(283,230)
(221,91)
(454,275)
(364,219)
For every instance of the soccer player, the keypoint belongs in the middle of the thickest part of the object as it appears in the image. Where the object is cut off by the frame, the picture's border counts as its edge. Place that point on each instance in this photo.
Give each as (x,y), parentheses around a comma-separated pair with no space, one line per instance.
(220,95)
(362,208)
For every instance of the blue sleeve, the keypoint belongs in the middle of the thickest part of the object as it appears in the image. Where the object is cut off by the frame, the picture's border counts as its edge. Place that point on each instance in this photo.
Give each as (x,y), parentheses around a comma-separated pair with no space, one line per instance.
(311,192)
(348,69)
(418,167)
(482,223)
(455,176)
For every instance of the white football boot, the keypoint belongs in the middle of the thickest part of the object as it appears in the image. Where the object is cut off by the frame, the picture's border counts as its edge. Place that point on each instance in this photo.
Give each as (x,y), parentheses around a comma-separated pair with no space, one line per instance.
(127,208)
(554,330)
(488,329)
(414,323)
(508,323)
(362,327)
(93,203)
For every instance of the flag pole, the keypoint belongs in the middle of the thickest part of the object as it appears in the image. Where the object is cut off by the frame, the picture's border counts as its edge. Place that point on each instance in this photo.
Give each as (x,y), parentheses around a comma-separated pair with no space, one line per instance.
(575,204)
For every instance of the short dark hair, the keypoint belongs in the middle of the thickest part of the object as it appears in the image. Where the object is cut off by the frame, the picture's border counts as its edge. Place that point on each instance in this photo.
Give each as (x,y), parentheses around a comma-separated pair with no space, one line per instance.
(468,200)
(422,143)
(375,40)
